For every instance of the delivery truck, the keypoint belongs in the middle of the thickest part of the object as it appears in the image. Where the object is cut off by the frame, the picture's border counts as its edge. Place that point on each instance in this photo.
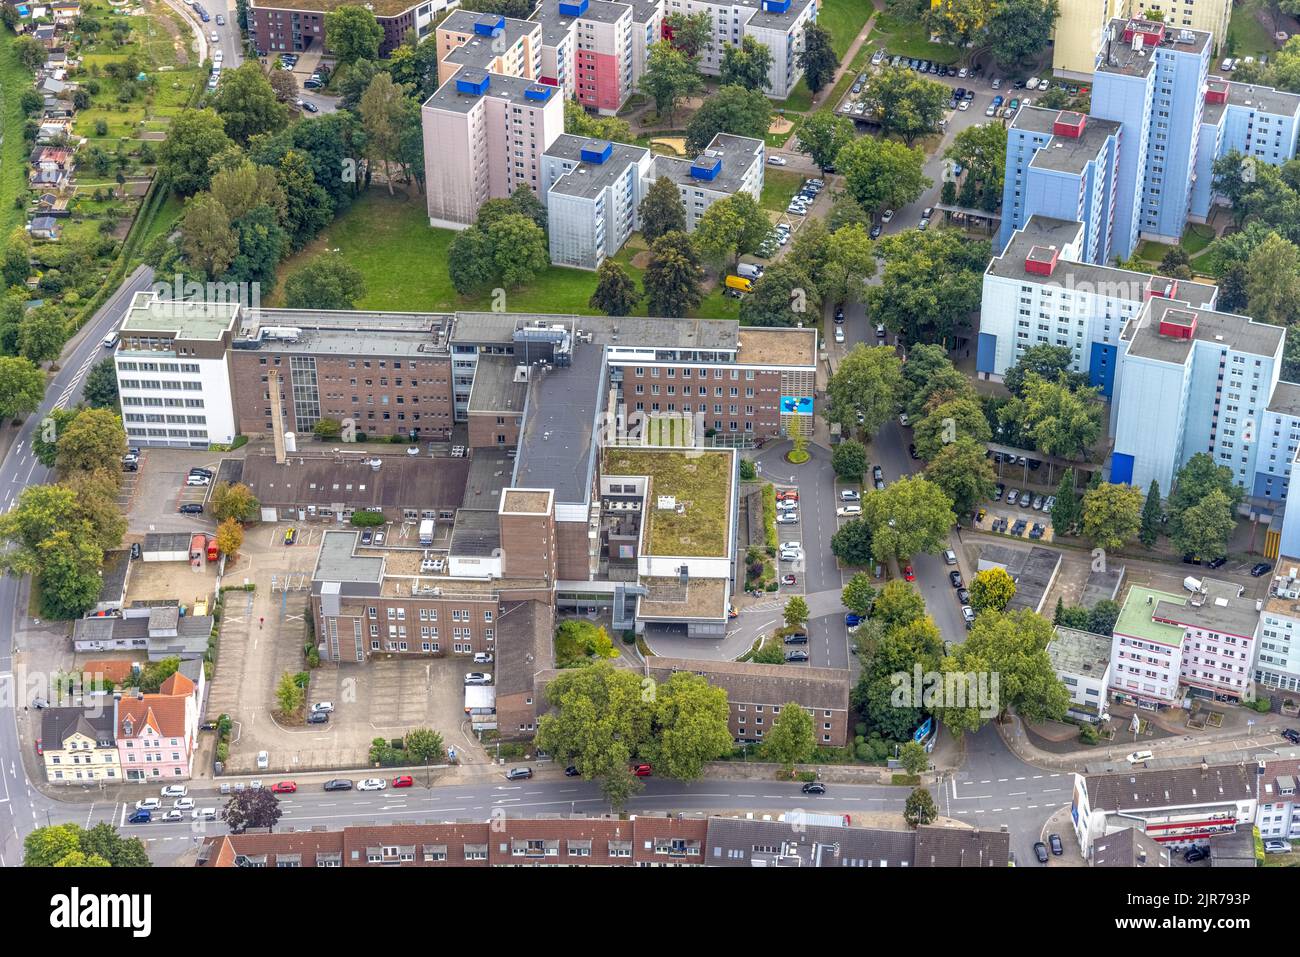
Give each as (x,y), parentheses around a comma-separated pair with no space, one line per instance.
(426,532)
(749,270)
(739,283)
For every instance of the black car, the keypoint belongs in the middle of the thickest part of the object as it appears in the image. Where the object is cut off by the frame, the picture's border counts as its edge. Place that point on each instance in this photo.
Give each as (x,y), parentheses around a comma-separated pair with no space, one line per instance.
(519,774)
(812,787)
(318,717)
(1292,735)
(1191,560)
(877,472)
(911,450)
(571,771)
(338,784)
(796,656)
(1216,563)
(191,508)
(797,638)
(963,596)
(204,472)
(1194,854)
(135,550)
(839,314)
(1040,852)
(955,578)
(1055,841)
(1263,568)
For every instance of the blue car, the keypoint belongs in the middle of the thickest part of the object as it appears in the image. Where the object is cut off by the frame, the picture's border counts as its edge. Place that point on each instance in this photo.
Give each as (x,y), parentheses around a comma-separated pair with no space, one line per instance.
(139,817)
(852,621)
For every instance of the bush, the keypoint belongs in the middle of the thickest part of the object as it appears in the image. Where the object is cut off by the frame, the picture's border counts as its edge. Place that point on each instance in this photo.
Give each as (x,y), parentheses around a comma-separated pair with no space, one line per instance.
(367,519)
(806,776)
(1088,734)
(223,752)
(747,471)
(1262,704)
(910,780)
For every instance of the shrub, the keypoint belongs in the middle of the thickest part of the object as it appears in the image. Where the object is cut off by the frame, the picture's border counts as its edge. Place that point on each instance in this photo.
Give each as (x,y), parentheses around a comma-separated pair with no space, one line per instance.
(223,752)
(806,776)
(1088,734)
(367,519)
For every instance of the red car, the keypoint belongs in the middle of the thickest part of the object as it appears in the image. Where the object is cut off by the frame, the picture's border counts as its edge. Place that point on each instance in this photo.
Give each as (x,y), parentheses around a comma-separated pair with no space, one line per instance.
(39,750)
(642,770)
(908,573)
(283,787)
(789,580)
(788,495)
(403,781)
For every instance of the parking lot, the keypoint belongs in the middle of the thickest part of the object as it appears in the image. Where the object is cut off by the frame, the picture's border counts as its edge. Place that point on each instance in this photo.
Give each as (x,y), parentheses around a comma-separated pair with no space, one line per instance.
(154,493)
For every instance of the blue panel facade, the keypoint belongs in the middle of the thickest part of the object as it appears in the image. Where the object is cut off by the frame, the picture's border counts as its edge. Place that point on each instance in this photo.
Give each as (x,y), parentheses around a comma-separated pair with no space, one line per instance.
(1121,469)
(986,352)
(1102,363)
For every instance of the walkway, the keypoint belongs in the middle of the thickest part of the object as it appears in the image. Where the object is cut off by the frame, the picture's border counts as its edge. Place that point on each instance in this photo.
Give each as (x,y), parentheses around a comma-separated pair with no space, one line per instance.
(846,61)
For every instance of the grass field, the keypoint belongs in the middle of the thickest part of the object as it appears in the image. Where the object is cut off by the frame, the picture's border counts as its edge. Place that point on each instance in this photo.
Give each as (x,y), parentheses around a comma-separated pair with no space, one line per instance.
(13,153)
(910,39)
(779,187)
(844,19)
(379,232)
(1246,35)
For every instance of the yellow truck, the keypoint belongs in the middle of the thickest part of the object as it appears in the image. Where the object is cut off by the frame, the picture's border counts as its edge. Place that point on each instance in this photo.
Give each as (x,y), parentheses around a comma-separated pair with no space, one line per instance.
(739,283)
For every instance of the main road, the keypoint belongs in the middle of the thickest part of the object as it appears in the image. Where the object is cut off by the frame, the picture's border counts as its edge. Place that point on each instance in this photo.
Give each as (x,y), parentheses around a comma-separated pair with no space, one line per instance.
(20,804)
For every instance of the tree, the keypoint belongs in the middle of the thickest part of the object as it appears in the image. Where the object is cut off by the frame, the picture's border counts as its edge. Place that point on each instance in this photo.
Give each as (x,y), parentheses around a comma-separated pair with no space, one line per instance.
(284,84)
(849,459)
(1060,421)
(230,537)
(620,785)
(22,386)
(691,726)
(661,211)
(424,746)
(209,241)
(519,249)
(745,65)
(326,282)
(1046,362)
(156,672)
(790,740)
(822,135)
(470,262)
(991,589)
(307,206)
(1199,478)
(910,516)
(100,391)
(16,264)
(93,441)
(31,52)
(104,842)
(1111,515)
(247,104)
(669,77)
(383,110)
(579,642)
(734,110)
(1204,528)
(354,34)
(691,34)
(982,152)
(927,372)
(288,694)
(672,277)
(69,576)
(616,293)
(581,123)
(962,471)
(783,296)
(948,422)
(796,611)
(817,59)
(234,501)
(1066,512)
(1017,31)
(882,174)
(250,808)
(47,846)
(905,104)
(919,808)
(1273,281)
(1151,516)
(931,283)
(45,440)
(262,242)
(898,605)
(913,757)
(859,595)
(41,334)
(865,388)
(1014,646)
(850,260)
(851,543)
(731,228)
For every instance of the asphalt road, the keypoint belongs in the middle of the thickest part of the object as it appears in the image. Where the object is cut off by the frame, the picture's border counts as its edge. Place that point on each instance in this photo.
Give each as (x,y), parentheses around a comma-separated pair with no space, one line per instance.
(19,803)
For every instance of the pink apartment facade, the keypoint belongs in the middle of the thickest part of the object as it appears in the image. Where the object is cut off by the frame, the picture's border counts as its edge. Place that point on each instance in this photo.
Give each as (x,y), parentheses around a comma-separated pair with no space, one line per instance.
(157,733)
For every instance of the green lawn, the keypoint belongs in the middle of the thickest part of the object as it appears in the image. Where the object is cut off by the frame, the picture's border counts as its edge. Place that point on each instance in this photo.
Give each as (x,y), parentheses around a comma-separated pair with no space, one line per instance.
(844,19)
(13,153)
(910,39)
(379,231)
(1246,35)
(779,187)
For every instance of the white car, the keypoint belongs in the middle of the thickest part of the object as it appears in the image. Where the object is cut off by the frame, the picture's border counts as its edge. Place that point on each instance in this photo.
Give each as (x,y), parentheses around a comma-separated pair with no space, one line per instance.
(786,505)
(148,804)
(183,804)
(1031,83)
(175,791)
(902,419)
(198,480)
(1139,757)
(791,554)
(848,510)
(172,815)
(776,161)
(839,334)
(483,658)
(322,706)
(964,105)
(263,760)
(849,495)
(887,215)
(110,340)
(788,518)
(372,784)
(204,814)
(478,678)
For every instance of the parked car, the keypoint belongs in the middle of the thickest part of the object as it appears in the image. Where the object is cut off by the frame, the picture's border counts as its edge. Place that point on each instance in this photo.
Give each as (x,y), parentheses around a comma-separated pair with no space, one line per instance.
(572,771)
(367,537)
(483,658)
(963,595)
(950,557)
(263,760)
(1013,496)
(1139,757)
(284,787)
(322,706)
(148,804)
(318,717)
(174,791)
(139,817)
(478,678)
(887,215)
(1054,841)
(221,21)
(203,814)
(796,638)
(784,494)
(813,787)
(1292,735)
(852,621)
(1263,568)
(775,160)
(1275,846)
(1037,503)
(908,573)
(1040,852)
(1196,853)
(1217,562)
(642,770)
(911,450)
(789,580)
(197,481)
(338,784)
(519,774)
(955,578)
(403,781)
(968,615)
(796,656)
(372,784)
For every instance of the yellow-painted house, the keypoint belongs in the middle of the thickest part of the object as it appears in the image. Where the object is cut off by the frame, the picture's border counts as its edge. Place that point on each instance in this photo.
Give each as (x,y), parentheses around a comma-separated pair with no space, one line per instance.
(79,745)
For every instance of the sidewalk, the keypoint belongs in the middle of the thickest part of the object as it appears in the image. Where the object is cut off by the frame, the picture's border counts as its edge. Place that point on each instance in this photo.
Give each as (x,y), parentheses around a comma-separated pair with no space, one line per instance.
(846,61)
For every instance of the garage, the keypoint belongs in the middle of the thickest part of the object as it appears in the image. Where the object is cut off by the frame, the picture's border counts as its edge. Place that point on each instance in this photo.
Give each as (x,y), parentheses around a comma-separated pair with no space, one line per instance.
(166,547)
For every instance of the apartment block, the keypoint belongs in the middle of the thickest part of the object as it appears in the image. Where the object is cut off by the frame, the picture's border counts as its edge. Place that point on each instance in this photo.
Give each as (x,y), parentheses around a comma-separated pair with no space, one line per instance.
(1206,377)
(593,191)
(299,25)
(1210,16)
(489,43)
(484,136)
(1277,636)
(730,164)
(1081,27)
(1063,165)
(1260,123)
(588,51)
(777,24)
(1041,290)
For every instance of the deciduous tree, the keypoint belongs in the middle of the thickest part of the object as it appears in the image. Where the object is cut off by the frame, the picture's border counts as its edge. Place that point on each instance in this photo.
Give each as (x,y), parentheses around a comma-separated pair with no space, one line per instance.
(865,388)
(1111,515)
(326,282)
(790,740)
(991,589)
(907,517)
(882,173)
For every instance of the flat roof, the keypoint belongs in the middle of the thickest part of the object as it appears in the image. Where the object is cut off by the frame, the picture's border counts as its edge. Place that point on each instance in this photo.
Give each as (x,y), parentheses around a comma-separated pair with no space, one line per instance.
(1079,652)
(489,473)
(480,50)
(556,447)
(749,683)
(1120,57)
(184,319)
(1285,398)
(1065,154)
(738,154)
(476,533)
(699,481)
(1032,568)
(352,332)
(770,20)
(337,562)
(496,387)
(381,8)
(500,86)
(1135,617)
(776,347)
(1225,329)
(590,179)
(526,501)
(1263,99)
(347,479)
(670,600)
(1219,609)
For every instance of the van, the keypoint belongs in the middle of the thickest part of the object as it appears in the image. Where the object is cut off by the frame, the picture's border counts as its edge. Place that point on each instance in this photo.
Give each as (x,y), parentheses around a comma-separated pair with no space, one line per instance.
(110,340)
(739,283)
(1139,757)
(426,532)
(750,270)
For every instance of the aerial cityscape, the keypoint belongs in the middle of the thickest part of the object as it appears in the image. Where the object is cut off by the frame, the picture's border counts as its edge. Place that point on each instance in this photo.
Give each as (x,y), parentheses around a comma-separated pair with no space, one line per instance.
(762,433)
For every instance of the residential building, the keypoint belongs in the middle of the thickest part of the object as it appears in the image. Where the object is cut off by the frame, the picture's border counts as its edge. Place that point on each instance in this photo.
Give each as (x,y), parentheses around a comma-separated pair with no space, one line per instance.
(588,51)
(1147,651)
(1063,165)
(757,693)
(484,136)
(777,24)
(78,745)
(1277,636)
(1041,290)
(1081,661)
(294,26)
(1206,377)
(157,734)
(158,630)
(1279,812)
(1176,808)
(1212,17)
(1128,847)
(1080,34)
(490,43)
(1279,438)
(728,165)
(593,191)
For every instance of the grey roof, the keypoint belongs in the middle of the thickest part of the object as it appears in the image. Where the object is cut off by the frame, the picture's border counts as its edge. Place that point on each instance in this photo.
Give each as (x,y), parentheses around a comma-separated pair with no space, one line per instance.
(738,155)
(961,847)
(335,562)
(556,450)
(1285,398)
(1128,847)
(1104,280)
(1263,99)
(1119,57)
(1065,154)
(1233,849)
(200,319)
(1033,569)
(772,21)
(58,724)
(746,682)
(1079,652)
(383,334)
(480,50)
(1102,585)
(348,481)
(117,564)
(1221,611)
(738,842)
(523,645)
(167,542)
(1230,331)
(500,86)
(590,179)
(489,473)
(555,24)
(496,387)
(498,328)
(1175,787)
(643,11)
(476,534)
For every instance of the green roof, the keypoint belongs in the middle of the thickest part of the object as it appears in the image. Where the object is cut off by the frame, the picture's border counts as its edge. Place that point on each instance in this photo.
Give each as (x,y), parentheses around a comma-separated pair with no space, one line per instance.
(1135,617)
(701,483)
